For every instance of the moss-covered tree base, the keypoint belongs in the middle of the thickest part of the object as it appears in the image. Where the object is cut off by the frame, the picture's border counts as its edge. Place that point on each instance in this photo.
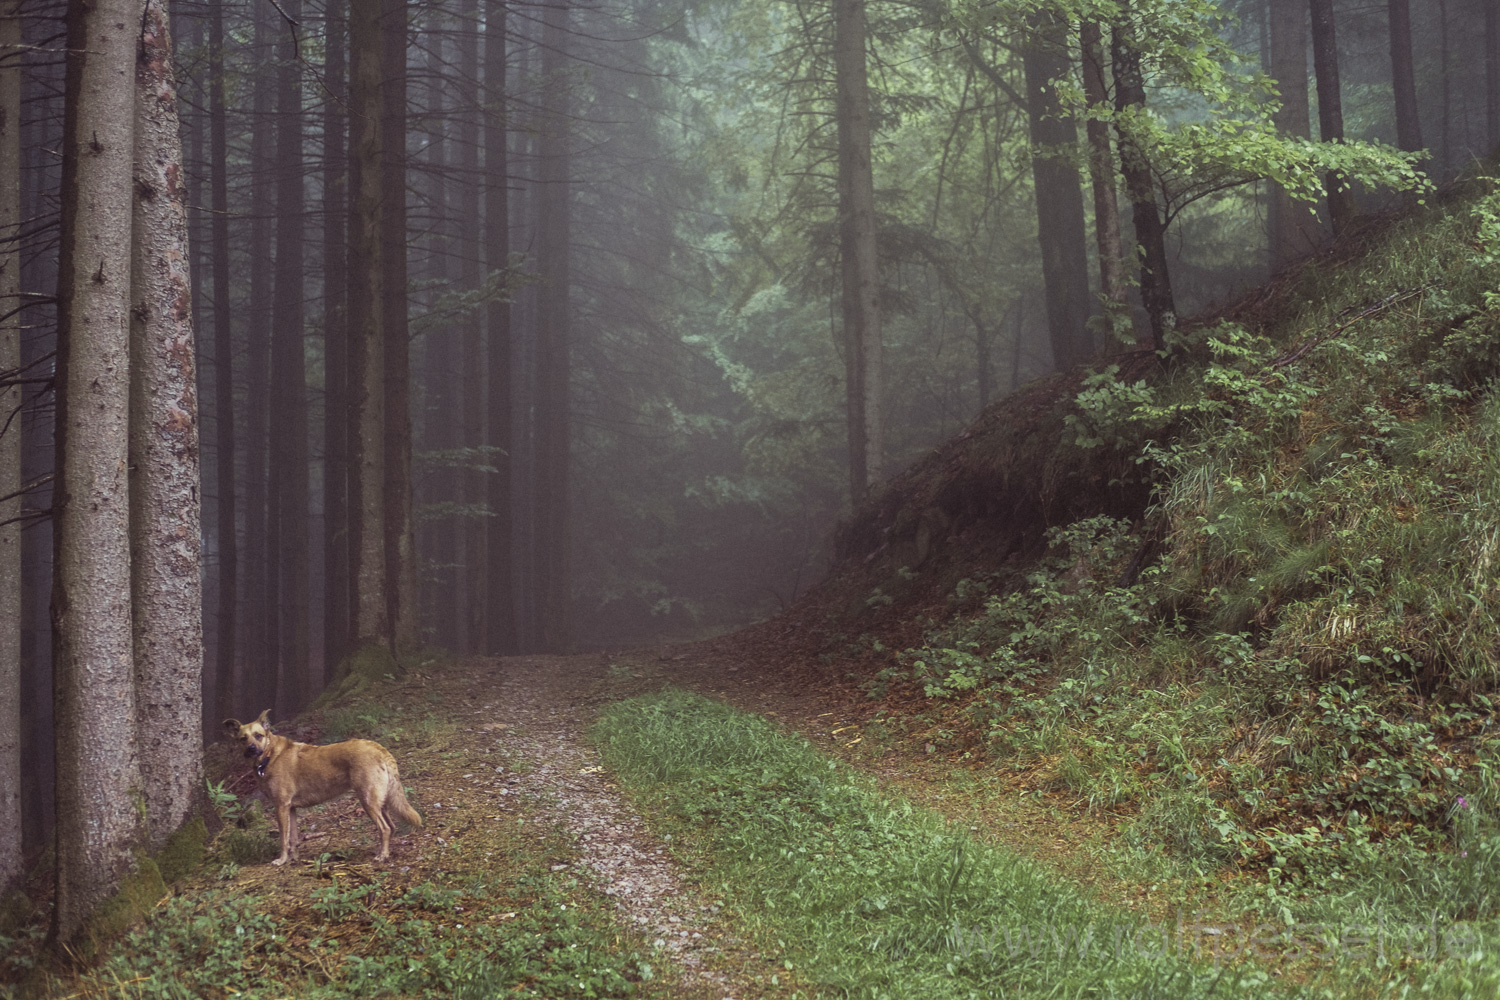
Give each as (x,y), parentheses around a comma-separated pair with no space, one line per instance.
(358,671)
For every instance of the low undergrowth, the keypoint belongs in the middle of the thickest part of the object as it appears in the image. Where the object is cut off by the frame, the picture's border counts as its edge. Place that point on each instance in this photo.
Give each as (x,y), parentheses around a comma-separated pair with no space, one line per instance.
(859,894)
(1289,665)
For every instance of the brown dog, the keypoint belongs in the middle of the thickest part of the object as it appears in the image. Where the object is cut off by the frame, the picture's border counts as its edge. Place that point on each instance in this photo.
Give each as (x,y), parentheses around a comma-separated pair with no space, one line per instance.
(293,775)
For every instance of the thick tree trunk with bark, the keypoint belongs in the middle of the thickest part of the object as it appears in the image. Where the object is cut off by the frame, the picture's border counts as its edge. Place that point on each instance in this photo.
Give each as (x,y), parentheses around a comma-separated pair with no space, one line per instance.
(165,526)
(227,690)
(1103,178)
(1150,232)
(1492,76)
(859,262)
(1341,207)
(1294,229)
(370,612)
(98,775)
(289,382)
(553,408)
(400,552)
(335,346)
(501,613)
(1059,195)
(10,444)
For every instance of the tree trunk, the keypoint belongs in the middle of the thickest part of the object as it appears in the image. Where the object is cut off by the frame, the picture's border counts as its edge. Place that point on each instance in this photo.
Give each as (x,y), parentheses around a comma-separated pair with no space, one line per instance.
(261,575)
(227,690)
(165,526)
(400,555)
(500,604)
(1403,76)
(289,381)
(470,342)
(1341,207)
(443,595)
(1445,90)
(10,445)
(367,571)
(98,825)
(1059,196)
(335,346)
(1150,232)
(1102,176)
(1294,229)
(858,253)
(553,431)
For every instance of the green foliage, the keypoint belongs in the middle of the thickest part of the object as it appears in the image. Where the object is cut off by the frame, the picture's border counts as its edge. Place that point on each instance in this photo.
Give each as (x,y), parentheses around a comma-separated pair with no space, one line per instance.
(426,942)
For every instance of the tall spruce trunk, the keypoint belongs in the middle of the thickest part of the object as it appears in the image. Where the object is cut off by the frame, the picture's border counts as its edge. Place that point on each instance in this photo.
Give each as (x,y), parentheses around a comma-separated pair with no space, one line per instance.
(859,263)
(1059,195)
(440,543)
(261,578)
(289,382)
(1150,232)
(473,638)
(1103,179)
(500,604)
(227,689)
(370,625)
(10,445)
(1403,76)
(335,344)
(1294,230)
(1341,207)
(165,523)
(98,772)
(553,406)
(400,552)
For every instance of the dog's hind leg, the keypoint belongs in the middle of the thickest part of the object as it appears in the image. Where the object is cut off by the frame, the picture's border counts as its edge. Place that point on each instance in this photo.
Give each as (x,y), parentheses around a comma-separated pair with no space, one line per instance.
(373,799)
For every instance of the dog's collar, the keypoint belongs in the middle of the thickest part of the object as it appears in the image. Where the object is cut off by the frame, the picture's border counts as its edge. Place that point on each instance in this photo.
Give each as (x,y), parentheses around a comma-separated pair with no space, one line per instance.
(260,764)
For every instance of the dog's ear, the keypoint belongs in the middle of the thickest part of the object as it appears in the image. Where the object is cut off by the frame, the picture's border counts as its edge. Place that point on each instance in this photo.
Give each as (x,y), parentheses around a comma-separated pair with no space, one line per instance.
(233,725)
(265,719)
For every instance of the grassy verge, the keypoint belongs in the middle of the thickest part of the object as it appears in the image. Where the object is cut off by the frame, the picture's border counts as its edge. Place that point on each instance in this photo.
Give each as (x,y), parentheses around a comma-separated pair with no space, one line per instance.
(483,902)
(863,895)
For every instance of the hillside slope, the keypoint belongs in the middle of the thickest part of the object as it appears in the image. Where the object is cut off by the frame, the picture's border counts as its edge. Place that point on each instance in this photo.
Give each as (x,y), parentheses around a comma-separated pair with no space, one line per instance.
(1247,602)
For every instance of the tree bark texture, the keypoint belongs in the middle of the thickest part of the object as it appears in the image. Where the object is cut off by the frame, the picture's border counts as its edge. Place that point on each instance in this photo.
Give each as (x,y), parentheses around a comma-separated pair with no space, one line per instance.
(290,500)
(1294,229)
(1492,75)
(10,444)
(367,570)
(166,528)
(1341,207)
(98,776)
(1135,167)
(400,552)
(1059,195)
(226,687)
(553,407)
(335,345)
(859,262)
(500,605)
(1103,178)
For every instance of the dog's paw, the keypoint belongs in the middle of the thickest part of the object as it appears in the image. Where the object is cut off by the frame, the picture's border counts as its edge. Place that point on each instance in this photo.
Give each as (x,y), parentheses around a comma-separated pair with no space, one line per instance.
(281,861)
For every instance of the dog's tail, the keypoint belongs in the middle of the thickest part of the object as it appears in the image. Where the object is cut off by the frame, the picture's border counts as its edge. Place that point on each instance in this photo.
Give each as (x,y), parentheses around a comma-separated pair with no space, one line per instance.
(396,806)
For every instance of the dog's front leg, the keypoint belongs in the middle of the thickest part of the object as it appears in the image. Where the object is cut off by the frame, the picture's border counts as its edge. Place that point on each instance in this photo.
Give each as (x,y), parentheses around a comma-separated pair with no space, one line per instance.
(286,818)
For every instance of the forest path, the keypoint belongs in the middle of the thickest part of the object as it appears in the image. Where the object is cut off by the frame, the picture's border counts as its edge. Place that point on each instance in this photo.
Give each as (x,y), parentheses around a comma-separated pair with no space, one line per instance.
(540,708)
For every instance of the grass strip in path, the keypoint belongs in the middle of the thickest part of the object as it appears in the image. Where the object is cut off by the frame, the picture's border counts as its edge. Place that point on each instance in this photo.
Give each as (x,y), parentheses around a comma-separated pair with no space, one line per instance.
(870,897)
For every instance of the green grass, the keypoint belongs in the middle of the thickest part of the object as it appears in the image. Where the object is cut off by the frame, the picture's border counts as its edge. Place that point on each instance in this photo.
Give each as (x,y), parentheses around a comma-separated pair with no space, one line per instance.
(859,894)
